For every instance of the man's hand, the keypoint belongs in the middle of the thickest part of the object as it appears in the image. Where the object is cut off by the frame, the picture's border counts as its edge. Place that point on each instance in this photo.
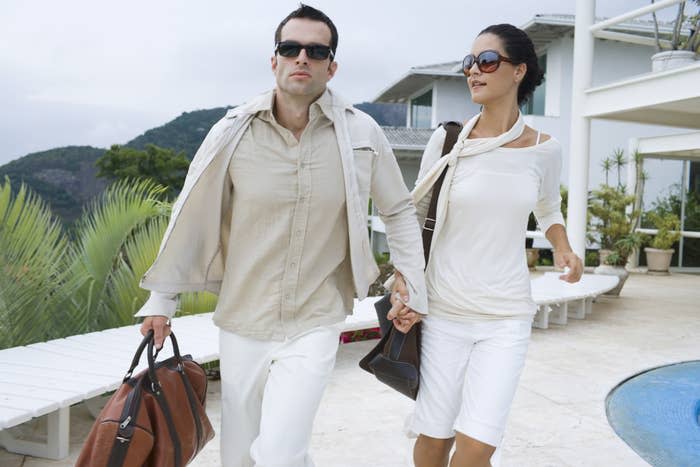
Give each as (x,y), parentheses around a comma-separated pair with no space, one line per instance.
(160,326)
(402,316)
(573,262)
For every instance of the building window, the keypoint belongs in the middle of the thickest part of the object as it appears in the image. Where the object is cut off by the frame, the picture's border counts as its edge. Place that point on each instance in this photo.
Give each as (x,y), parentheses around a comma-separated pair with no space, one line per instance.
(535,105)
(422,110)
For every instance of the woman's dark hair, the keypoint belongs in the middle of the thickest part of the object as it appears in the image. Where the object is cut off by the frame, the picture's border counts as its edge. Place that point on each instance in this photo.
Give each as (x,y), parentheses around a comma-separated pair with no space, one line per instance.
(309,12)
(519,48)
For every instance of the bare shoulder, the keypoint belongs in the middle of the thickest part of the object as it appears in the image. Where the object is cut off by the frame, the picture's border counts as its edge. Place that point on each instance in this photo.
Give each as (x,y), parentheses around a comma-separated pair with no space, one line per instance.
(535,137)
(528,138)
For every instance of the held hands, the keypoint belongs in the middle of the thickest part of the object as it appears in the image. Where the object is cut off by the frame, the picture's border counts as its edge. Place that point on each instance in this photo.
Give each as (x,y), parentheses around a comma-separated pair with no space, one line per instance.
(160,326)
(569,259)
(403,317)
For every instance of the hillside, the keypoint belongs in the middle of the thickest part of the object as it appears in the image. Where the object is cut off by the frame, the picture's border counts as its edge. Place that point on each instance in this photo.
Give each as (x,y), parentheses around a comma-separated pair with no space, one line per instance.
(184,133)
(63,177)
(66,177)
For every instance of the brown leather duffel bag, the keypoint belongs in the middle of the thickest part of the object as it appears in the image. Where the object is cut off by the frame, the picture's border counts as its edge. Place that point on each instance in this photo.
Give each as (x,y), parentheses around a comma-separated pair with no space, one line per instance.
(154,419)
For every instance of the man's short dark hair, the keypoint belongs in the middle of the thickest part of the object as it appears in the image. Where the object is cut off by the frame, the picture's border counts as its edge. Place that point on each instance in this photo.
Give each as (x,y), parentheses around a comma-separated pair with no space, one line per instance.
(309,12)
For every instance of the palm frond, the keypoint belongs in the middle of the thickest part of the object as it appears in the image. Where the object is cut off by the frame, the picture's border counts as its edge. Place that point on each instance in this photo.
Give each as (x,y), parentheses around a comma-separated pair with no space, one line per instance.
(126,297)
(32,250)
(97,258)
(192,303)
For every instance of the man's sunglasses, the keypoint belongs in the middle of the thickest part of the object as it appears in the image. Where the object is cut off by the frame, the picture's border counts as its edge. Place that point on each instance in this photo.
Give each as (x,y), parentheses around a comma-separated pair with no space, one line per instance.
(293,49)
(487,61)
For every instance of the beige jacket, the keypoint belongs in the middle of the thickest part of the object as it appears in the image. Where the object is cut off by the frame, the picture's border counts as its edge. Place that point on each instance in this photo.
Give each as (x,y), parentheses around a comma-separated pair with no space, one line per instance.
(190,257)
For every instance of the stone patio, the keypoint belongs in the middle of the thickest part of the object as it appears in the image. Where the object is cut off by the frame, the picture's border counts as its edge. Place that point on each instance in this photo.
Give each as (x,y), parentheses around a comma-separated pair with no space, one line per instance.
(558,417)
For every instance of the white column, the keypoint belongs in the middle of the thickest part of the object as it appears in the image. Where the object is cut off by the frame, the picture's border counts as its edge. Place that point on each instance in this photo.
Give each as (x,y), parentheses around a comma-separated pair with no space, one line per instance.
(579,145)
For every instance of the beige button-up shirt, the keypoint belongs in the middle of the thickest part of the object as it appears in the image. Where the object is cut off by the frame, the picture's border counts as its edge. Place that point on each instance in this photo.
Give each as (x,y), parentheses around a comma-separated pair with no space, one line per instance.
(285,230)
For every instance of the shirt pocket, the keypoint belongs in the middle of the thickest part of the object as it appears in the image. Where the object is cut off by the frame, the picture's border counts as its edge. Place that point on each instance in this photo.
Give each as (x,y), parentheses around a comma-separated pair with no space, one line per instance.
(363,155)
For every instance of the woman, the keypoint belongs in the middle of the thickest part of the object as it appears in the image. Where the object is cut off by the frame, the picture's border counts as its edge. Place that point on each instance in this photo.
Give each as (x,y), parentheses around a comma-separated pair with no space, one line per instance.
(476,335)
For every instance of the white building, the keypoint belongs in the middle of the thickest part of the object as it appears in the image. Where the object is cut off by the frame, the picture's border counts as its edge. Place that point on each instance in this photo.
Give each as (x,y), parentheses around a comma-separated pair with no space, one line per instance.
(435,93)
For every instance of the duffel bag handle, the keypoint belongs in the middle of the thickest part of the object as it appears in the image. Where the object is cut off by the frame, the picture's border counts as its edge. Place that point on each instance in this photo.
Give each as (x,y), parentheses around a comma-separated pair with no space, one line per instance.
(148,341)
(151,355)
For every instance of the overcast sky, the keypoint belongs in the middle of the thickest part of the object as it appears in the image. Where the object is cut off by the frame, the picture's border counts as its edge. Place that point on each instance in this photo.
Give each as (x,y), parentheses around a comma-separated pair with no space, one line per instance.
(87,72)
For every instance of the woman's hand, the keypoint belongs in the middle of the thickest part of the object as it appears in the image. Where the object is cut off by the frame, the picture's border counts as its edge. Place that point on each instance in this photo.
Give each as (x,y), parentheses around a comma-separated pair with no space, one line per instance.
(569,259)
(401,314)
(564,257)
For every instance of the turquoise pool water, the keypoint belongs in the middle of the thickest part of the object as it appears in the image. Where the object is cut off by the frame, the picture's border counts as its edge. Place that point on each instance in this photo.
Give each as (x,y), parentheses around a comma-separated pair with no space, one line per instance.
(657,413)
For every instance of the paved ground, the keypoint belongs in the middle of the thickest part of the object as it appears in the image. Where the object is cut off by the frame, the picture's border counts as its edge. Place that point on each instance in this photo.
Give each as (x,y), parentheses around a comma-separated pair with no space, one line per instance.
(558,418)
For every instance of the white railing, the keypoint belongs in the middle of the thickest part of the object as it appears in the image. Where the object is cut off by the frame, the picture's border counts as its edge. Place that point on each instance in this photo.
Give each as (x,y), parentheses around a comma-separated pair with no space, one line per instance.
(684,233)
(598,29)
(633,14)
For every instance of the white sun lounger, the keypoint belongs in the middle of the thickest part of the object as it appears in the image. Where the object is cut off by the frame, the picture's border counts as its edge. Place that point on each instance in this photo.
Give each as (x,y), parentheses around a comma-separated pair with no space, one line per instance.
(45,379)
(558,300)
(48,377)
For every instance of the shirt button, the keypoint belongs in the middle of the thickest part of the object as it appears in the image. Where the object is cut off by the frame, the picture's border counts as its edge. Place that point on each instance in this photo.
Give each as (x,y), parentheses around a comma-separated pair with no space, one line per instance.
(287,296)
(294,265)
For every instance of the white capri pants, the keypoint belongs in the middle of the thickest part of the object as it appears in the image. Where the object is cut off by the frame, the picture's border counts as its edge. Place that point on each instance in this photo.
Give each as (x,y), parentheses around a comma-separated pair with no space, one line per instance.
(469,373)
(270,392)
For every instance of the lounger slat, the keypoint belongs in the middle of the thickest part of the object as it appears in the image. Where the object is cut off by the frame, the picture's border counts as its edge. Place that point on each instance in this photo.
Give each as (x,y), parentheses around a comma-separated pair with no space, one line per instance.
(34,406)
(62,397)
(10,417)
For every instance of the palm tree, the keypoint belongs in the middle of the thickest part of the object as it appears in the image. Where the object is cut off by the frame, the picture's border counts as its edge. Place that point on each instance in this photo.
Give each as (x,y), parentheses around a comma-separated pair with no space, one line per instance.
(32,252)
(607,164)
(619,161)
(53,287)
(115,237)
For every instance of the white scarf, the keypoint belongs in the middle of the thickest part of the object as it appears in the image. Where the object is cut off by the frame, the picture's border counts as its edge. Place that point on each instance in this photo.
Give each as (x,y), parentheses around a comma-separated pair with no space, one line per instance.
(464,147)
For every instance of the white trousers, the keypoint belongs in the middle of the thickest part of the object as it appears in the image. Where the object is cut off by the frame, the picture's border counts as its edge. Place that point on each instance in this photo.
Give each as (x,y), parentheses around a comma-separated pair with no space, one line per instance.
(270,392)
(469,374)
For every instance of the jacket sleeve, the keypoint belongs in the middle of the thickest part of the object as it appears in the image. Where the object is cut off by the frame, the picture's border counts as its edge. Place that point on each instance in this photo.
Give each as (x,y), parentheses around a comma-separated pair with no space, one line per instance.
(165,303)
(393,201)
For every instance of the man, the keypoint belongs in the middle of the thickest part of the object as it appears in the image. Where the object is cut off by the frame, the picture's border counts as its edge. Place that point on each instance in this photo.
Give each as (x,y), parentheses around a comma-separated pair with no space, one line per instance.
(273,218)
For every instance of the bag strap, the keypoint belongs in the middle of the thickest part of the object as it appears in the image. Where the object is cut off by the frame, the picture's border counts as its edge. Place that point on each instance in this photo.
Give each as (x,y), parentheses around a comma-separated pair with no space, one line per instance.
(151,355)
(148,342)
(452,129)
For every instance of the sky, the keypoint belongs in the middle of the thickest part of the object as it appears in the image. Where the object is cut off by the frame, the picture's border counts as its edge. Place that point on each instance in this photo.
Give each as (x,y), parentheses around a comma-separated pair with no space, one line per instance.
(87,72)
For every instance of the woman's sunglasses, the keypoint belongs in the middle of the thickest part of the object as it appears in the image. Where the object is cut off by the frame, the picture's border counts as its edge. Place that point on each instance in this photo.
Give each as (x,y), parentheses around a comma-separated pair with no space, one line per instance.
(293,49)
(487,61)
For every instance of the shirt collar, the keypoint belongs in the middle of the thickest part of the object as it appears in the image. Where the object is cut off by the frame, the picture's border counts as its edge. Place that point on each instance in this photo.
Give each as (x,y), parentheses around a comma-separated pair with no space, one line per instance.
(321,106)
(264,102)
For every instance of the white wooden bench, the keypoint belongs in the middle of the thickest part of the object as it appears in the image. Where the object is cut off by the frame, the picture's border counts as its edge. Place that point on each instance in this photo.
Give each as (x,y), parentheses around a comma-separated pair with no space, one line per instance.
(45,379)
(558,300)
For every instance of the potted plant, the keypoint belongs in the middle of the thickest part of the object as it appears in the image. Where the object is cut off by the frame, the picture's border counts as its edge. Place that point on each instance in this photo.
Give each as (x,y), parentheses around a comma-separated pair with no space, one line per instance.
(616,259)
(614,219)
(659,252)
(681,46)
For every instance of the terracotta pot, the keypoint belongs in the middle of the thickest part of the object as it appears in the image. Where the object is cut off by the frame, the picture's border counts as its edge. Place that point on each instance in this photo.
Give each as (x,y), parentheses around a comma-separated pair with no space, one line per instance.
(618,271)
(658,261)
(671,59)
(532,254)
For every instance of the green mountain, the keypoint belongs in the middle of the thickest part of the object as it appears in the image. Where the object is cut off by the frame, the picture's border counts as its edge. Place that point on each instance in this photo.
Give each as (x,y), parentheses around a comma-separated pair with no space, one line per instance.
(66,177)
(63,177)
(185,133)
